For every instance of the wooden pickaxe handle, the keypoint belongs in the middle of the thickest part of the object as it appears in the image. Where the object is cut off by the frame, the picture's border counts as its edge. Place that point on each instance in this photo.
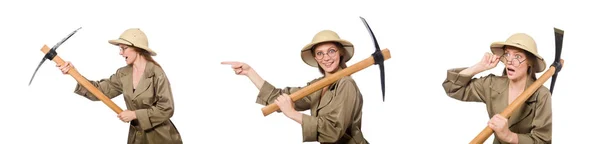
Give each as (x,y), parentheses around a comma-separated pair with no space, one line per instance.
(327,80)
(487,132)
(85,83)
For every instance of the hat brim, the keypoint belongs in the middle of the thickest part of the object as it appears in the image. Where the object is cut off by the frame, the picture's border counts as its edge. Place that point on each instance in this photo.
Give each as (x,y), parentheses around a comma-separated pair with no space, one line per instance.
(120,41)
(309,59)
(497,49)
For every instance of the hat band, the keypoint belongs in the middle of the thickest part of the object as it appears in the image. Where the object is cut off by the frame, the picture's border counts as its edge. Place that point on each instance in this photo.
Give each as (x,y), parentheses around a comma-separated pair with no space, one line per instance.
(127,41)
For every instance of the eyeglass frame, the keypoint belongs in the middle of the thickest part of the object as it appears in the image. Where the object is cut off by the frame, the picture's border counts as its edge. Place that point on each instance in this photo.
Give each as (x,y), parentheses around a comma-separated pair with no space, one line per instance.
(123,49)
(329,53)
(514,58)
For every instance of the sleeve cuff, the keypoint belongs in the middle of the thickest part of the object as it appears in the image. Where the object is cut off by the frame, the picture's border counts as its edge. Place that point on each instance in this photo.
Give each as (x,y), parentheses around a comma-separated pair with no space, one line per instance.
(80,90)
(264,93)
(524,139)
(455,77)
(309,128)
(143,119)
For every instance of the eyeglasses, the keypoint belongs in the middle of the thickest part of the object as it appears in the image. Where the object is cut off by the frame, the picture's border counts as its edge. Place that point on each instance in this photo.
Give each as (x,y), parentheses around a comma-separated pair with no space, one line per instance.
(123,48)
(330,53)
(519,59)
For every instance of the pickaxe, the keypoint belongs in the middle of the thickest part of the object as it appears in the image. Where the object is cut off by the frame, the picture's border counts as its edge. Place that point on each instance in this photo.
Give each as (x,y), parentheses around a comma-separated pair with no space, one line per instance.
(50,54)
(376,58)
(551,72)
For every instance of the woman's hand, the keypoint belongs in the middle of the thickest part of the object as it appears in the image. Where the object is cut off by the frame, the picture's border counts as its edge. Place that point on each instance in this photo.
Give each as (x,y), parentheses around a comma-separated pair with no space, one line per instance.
(65,67)
(127,116)
(286,105)
(488,62)
(500,126)
(239,68)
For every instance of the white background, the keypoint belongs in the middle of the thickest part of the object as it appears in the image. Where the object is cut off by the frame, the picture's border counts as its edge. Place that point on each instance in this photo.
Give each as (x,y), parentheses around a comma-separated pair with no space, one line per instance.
(212,105)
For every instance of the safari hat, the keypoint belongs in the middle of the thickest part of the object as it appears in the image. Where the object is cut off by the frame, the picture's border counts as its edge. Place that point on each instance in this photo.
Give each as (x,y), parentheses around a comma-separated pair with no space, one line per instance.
(524,42)
(133,37)
(326,36)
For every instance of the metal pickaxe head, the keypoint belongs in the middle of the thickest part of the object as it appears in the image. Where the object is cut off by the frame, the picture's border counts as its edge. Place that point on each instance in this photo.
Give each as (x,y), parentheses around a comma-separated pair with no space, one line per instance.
(558,40)
(378,57)
(50,55)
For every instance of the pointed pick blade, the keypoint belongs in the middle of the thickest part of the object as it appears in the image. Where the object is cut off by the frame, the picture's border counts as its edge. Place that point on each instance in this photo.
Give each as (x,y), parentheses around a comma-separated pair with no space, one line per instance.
(371,32)
(36,69)
(382,74)
(64,39)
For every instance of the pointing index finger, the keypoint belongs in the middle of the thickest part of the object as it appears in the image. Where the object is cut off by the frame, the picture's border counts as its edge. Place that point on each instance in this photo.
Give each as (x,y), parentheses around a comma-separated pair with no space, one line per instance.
(229,62)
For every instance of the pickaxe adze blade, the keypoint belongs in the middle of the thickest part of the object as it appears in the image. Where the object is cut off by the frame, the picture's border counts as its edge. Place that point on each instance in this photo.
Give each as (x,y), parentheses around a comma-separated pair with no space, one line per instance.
(52,52)
(378,57)
(558,40)
(551,72)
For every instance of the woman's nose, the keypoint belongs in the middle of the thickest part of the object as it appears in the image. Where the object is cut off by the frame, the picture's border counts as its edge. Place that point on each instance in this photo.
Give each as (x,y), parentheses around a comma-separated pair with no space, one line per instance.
(510,62)
(326,57)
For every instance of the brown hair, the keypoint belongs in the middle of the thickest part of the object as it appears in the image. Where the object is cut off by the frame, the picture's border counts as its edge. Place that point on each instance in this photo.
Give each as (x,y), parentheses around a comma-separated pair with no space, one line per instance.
(146,54)
(341,51)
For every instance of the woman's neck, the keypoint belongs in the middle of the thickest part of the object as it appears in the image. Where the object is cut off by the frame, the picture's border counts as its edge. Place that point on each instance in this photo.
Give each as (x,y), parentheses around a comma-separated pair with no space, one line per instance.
(139,64)
(518,84)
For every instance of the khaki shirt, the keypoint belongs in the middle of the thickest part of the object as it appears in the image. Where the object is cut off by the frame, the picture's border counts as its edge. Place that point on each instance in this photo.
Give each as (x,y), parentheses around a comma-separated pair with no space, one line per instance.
(335,119)
(152,102)
(532,122)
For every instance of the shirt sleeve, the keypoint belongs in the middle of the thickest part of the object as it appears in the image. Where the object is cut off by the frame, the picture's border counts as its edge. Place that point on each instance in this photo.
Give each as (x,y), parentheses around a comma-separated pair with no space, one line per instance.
(465,88)
(268,93)
(111,87)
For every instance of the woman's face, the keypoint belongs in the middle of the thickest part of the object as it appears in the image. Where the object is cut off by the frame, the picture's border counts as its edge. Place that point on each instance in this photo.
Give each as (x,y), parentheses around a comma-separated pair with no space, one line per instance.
(128,53)
(328,57)
(516,63)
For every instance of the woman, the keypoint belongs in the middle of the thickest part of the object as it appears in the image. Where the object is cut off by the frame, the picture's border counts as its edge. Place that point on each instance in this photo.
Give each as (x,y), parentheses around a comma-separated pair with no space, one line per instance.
(336,110)
(530,123)
(146,90)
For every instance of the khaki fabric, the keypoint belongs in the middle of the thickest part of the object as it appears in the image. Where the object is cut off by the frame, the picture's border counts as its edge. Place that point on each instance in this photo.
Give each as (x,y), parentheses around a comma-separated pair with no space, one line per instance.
(152,102)
(335,119)
(532,121)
